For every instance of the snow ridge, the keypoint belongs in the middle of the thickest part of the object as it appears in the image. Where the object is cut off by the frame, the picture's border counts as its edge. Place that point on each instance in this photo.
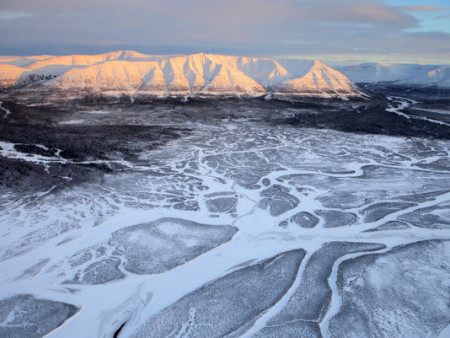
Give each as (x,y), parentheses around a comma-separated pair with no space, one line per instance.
(134,74)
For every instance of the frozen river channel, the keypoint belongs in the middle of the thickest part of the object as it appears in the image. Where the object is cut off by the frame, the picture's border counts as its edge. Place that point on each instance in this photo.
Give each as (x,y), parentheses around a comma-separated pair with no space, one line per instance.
(238,228)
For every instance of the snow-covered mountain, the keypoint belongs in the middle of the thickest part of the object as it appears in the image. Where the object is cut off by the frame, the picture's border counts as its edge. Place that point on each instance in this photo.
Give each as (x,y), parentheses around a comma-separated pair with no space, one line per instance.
(400,74)
(135,74)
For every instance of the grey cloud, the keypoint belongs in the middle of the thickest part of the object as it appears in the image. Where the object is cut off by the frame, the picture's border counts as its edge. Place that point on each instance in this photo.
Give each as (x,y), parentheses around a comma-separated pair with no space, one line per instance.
(249,27)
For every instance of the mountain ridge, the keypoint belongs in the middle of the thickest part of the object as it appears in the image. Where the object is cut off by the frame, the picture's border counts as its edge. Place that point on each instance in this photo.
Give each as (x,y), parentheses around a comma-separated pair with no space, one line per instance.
(398,74)
(134,74)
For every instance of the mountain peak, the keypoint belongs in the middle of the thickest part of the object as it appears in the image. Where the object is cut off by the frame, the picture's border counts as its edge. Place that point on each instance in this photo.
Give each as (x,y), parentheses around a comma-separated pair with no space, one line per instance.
(318,63)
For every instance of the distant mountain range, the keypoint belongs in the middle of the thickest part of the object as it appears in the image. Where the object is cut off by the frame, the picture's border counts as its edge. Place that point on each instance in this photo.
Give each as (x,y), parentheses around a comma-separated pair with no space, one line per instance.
(135,74)
(399,74)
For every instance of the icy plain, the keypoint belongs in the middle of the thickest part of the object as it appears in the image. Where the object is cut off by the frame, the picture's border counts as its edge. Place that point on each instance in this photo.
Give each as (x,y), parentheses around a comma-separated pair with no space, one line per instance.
(238,228)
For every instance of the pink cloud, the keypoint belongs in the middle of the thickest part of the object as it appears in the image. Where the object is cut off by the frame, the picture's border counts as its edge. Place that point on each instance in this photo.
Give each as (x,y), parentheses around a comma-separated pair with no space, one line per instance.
(426,8)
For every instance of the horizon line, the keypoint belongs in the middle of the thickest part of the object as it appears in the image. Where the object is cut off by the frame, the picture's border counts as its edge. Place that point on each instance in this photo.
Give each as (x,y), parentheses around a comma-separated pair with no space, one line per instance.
(328,59)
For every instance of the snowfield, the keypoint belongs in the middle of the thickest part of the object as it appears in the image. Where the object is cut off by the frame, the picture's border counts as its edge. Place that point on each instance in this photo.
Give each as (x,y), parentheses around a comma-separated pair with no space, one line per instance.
(225,223)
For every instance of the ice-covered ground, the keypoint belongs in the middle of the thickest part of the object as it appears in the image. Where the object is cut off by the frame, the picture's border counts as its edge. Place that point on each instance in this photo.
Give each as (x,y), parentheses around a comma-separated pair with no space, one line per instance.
(240,228)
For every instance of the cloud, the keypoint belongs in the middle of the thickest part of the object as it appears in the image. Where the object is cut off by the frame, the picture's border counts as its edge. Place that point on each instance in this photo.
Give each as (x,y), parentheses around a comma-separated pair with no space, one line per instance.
(426,8)
(250,27)
(12,15)
(372,12)
(442,17)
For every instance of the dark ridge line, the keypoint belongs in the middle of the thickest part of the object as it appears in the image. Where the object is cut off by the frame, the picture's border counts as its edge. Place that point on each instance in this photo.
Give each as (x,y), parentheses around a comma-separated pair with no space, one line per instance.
(116,334)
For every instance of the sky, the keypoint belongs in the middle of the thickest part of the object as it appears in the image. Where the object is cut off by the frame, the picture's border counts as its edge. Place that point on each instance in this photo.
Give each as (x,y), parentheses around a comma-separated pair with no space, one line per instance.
(333,31)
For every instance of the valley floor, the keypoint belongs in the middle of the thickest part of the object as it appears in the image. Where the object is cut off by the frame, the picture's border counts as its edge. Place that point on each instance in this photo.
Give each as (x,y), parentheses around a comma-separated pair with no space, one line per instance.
(223,220)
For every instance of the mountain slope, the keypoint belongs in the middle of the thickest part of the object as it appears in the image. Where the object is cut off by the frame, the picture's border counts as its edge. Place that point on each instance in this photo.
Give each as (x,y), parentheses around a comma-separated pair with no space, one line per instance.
(400,74)
(9,75)
(134,74)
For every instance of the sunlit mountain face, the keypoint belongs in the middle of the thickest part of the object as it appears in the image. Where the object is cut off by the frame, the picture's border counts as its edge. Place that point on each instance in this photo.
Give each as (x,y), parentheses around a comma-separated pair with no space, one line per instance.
(208,196)
(135,75)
